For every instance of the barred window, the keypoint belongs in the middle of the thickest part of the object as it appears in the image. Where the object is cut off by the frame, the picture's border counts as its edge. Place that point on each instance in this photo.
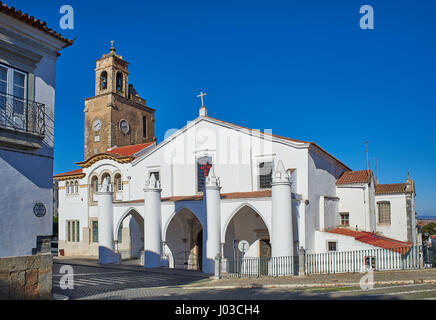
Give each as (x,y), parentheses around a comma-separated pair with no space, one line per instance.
(384,212)
(331,246)
(94,231)
(203,167)
(118,182)
(76,187)
(67,187)
(94,183)
(345,218)
(73,231)
(265,175)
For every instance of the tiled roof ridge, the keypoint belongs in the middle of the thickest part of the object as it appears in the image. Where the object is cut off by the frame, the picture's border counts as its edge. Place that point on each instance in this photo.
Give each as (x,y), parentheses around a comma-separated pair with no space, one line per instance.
(30,20)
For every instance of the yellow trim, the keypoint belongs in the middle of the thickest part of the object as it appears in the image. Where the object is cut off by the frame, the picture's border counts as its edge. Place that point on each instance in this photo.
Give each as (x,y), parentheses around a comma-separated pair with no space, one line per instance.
(72,177)
(103,156)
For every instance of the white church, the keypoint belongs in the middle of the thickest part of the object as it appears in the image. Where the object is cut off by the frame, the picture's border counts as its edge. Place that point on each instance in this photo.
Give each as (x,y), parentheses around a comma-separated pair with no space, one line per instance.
(210,185)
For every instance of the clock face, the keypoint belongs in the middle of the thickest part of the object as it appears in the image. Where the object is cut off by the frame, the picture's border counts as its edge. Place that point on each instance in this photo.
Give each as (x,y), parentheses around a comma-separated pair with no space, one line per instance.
(124,126)
(96,125)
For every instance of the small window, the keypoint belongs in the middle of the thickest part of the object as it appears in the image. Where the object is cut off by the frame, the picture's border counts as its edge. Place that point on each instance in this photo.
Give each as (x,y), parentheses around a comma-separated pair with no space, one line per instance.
(76,187)
(156,175)
(384,212)
(67,187)
(119,81)
(370,263)
(94,184)
(103,80)
(203,167)
(95,231)
(118,183)
(331,246)
(345,219)
(265,175)
(73,231)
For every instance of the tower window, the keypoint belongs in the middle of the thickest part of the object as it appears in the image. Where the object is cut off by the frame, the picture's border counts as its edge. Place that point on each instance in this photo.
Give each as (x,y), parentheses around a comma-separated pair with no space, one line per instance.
(103,80)
(119,81)
(144,127)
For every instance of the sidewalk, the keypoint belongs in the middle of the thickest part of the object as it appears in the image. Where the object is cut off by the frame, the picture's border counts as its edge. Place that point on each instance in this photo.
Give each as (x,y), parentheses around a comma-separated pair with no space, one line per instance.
(323,281)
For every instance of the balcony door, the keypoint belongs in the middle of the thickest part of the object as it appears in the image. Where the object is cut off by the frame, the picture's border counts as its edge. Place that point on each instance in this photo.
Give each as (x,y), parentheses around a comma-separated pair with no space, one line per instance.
(13,95)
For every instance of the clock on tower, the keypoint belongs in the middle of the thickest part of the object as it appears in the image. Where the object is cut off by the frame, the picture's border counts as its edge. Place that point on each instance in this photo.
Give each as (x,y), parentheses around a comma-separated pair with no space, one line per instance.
(115,115)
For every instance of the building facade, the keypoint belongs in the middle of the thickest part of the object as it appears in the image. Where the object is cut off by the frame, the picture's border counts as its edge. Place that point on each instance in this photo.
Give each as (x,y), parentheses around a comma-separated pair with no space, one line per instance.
(211,184)
(28,56)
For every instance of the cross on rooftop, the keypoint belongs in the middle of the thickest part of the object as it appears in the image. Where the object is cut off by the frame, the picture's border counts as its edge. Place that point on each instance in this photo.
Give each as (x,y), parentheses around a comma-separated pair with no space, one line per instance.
(201,95)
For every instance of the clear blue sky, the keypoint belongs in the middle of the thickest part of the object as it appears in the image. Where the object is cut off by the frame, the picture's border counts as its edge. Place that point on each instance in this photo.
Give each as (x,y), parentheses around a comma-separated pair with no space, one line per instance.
(303,68)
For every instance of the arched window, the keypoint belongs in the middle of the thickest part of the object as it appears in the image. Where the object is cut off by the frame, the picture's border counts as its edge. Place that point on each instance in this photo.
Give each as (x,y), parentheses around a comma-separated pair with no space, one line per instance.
(67,187)
(104,177)
(76,187)
(118,182)
(119,81)
(144,127)
(103,80)
(94,184)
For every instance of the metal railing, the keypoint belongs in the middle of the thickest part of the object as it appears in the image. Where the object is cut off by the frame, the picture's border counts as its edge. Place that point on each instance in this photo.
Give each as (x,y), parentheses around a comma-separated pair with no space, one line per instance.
(359,260)
(259,267)
(22,114)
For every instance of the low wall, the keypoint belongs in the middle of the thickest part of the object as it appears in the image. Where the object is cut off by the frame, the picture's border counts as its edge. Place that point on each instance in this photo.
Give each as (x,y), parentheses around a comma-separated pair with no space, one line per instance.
(26,277)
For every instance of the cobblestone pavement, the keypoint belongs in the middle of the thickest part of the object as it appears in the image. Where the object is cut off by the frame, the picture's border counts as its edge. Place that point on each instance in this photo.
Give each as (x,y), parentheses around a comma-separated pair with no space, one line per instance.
(91,280)
(409,292)
(132,282)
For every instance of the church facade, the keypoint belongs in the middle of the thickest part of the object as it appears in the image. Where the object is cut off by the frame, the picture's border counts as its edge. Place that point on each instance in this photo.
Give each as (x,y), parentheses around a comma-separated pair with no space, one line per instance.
(210,185)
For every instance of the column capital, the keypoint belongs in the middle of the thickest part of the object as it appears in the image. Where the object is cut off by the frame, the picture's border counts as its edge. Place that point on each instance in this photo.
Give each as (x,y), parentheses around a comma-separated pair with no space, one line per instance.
(280,176)
(212,182)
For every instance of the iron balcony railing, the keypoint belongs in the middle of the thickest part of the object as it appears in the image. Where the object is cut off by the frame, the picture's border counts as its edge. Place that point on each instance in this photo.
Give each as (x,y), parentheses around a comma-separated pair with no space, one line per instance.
(21,114)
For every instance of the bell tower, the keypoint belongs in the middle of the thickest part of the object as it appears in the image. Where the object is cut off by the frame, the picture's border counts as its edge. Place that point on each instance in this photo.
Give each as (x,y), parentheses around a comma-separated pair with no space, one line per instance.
(115,116)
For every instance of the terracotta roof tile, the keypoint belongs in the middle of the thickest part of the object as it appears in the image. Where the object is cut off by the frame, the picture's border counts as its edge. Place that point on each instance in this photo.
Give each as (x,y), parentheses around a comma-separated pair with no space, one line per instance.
(41,25)
(374,239)
(232,195)
(351,177)
(394,188)
(77,172)
(129,150)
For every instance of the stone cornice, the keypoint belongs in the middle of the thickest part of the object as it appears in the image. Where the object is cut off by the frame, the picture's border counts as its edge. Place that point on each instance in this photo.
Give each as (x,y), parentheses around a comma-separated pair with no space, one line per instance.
(102,156)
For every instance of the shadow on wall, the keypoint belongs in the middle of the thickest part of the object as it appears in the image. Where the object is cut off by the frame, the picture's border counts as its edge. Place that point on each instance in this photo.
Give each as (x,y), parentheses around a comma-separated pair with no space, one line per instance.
(39,170)
(106,255)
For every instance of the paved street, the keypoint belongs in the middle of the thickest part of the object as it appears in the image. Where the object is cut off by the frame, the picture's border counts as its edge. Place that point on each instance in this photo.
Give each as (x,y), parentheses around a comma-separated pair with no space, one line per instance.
(124,282)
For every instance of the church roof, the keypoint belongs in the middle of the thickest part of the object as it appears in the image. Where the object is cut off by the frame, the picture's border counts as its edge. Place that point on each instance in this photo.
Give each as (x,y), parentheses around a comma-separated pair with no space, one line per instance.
(374,239)
(36,23)
(350,177)
(74,174)
(394,188)
(284,138)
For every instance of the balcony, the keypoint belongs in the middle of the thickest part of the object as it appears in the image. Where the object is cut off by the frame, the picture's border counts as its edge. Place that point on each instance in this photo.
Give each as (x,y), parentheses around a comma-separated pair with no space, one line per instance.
(22,115)
(22,123)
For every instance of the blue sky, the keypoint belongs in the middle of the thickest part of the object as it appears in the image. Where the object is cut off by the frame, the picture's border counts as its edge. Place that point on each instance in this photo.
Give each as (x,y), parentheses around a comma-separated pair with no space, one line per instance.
(303,68)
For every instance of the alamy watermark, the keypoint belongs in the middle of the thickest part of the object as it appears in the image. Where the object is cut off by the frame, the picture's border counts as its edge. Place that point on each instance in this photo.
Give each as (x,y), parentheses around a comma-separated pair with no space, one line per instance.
(66,282)
(367,20)
(67,20)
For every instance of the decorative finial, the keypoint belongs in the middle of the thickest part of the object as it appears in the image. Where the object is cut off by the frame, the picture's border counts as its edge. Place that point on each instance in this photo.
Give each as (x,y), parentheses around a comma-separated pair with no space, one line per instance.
(280,174)
(112,46)
(203,110)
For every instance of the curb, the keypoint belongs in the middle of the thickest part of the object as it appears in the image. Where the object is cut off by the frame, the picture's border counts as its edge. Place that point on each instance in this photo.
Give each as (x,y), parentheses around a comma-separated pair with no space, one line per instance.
(311,285)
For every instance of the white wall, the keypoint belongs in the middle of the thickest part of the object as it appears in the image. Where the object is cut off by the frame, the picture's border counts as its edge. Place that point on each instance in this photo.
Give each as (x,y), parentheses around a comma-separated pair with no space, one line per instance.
(397,229)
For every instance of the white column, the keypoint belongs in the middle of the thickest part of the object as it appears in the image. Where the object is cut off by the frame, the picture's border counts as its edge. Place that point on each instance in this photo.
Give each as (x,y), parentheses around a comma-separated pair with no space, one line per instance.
(152,224)
(213,221)
(282,233)
(106,246)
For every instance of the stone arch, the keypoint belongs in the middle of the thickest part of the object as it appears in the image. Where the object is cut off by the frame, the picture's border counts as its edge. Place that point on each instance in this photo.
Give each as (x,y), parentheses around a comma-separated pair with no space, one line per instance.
(183,240)
(170,218)
(103,174)
(246,223)
(245,204)
(135,246)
